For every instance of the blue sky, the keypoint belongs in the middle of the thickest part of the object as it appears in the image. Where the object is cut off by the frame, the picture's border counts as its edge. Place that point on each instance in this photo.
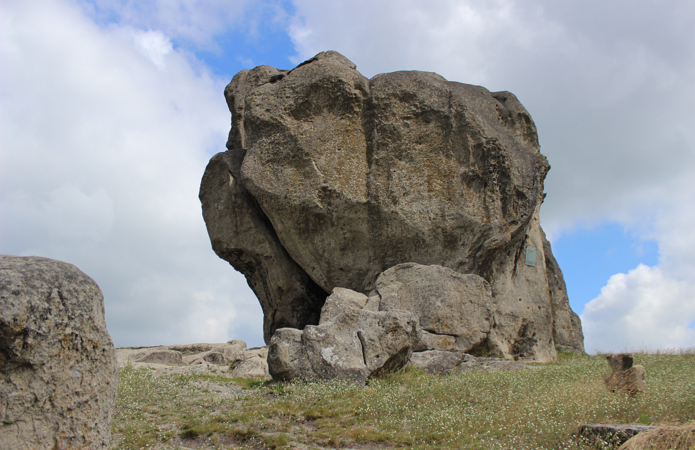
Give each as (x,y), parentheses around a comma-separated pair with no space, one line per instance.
(110,109)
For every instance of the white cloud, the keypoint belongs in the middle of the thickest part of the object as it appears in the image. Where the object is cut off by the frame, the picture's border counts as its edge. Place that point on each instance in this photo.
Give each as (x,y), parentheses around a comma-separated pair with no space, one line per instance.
(102,158)
(645,309)
(154,45)
(452,38)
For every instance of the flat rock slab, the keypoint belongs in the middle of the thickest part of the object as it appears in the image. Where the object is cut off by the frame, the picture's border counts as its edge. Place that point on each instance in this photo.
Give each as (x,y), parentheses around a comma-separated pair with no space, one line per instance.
(613,434)
(232,360)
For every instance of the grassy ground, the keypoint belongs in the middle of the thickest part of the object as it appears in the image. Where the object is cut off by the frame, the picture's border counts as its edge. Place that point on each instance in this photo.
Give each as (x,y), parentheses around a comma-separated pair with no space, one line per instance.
(533,409)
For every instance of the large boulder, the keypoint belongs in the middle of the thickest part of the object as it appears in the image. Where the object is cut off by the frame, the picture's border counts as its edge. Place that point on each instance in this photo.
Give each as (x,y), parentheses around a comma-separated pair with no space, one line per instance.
(331,178)
(58,366)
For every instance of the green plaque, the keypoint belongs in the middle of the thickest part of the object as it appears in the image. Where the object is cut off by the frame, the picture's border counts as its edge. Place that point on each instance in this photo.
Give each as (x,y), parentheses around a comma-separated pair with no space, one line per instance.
(531,256)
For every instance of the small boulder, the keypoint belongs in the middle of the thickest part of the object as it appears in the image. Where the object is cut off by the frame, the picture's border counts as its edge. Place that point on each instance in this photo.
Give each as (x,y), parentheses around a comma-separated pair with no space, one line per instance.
(340,300)
(624,377)
(450,306)
(233,348)
(354,344)
(252,363)
(58,370)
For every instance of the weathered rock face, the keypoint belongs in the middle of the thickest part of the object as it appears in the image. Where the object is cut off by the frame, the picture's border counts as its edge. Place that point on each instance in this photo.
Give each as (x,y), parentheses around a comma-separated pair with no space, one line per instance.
(332,178)
(242,235)
(59,371)
(354,345)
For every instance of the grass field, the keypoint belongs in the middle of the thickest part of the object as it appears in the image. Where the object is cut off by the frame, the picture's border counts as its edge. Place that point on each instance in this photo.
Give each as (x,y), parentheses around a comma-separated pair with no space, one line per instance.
(540,408)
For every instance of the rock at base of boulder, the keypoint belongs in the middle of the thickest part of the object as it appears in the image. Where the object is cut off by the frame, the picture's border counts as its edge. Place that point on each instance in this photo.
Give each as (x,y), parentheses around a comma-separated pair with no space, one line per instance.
(449,305)
(58,370)
(442,342)
(474,364)
(443,363)
(354,345)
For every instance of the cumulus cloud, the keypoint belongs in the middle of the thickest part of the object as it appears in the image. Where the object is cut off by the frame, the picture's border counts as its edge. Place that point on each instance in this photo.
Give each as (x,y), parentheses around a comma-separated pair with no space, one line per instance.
(610,87)
(102,157)
(645,309)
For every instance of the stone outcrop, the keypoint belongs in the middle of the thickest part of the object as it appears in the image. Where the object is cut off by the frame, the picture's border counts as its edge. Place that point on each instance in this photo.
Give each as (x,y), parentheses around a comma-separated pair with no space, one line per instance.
(624,377)
(437,362)
(331,179)
(169,357)
(252,363)
(59,373)
(354,345)
(231,359)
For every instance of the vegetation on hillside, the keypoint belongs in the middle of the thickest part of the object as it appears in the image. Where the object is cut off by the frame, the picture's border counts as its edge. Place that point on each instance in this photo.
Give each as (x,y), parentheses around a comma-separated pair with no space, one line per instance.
(539,408)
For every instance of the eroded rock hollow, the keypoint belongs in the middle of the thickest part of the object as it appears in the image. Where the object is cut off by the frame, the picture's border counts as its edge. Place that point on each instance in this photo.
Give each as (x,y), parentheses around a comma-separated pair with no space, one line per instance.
(331,178)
